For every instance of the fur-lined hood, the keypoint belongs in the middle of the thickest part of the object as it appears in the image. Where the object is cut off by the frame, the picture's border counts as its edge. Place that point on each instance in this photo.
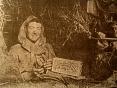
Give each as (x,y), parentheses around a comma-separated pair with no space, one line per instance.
(22,35)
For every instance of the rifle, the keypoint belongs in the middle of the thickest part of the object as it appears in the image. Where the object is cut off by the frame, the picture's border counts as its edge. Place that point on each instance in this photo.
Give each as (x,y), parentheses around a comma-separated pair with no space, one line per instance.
(108,39)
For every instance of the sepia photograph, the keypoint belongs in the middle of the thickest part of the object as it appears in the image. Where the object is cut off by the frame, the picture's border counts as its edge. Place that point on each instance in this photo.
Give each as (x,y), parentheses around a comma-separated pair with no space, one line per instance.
(58,43)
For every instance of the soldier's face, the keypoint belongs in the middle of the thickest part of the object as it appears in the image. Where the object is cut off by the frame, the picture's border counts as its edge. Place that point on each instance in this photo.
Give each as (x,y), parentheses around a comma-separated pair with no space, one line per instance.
(34,30)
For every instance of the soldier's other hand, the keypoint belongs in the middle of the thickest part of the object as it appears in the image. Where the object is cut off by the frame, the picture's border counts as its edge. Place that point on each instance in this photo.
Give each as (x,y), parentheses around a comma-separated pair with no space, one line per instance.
(40,60)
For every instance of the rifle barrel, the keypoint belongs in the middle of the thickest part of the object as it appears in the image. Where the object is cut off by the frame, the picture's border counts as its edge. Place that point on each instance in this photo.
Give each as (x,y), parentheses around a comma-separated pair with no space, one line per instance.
(109,39)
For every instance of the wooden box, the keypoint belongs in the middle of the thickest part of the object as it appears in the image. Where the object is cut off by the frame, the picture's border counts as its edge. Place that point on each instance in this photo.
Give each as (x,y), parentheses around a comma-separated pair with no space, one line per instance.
(67,67)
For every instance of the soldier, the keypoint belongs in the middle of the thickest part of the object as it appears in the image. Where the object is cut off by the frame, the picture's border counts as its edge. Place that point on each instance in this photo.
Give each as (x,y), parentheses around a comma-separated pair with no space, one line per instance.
(33,55)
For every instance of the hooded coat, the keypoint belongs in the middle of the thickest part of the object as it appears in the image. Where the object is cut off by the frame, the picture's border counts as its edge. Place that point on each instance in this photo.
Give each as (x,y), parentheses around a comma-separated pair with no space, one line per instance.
(25,56)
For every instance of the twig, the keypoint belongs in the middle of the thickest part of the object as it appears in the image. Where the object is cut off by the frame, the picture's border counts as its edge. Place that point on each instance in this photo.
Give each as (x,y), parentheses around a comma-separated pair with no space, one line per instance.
(68,37)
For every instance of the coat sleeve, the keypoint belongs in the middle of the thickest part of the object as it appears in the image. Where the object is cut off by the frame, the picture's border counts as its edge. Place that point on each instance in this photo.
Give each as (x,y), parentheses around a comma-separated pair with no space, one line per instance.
(9,68)
(12,59)
(16,61)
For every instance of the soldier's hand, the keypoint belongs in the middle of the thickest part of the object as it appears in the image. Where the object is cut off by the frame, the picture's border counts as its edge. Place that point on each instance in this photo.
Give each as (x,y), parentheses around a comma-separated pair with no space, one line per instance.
(48,64)
(38,71)
(102,35)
